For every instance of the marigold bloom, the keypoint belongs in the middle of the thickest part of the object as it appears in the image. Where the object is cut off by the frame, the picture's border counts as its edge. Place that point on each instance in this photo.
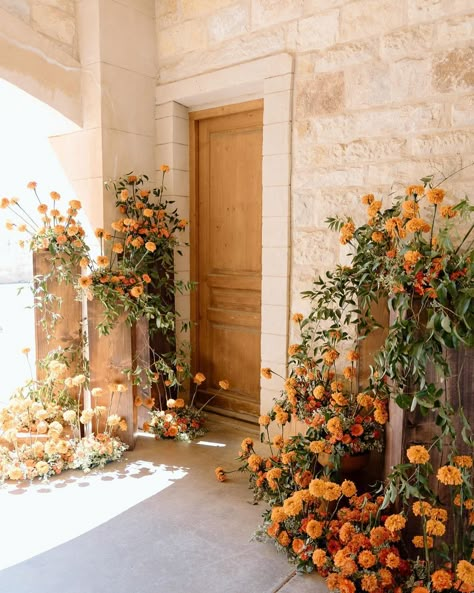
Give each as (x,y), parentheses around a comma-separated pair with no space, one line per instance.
(419,542)
(264,420)
(412,257)
(297,545)
(395,522)
(366,559)
(417,190)
(370,584)
(224,384)
(220,474)
(379,535)
(449,475)
(317,447)
(416,225)
(348,488)
(434,527)
(436,195)
(421,507)
(164,168)
(465,572)
(266,373)
(199,378)
(392,560)
(85,281)
(367,199)
(419,590)
(462,460)
(410,209)
(334,425)
(314,529)
(254,461)
(278,515)
(319,392)
(347,232)
(42,208)
(439,514)
(377,237)
(332,491)
(441,579)
(319,557)
(418,454)
(117,248)
(448,212)
(346,586)
(330,356)
(75,204)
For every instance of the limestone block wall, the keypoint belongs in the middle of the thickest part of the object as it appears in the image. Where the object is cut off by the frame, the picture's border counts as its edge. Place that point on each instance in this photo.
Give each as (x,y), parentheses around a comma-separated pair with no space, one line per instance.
(383,92)
(53,19)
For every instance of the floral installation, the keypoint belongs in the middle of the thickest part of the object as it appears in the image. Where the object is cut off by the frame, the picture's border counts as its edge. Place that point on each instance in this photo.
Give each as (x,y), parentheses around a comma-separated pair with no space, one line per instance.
(41,428)
(57,233)
(180,421)
(415,533)
(134,272)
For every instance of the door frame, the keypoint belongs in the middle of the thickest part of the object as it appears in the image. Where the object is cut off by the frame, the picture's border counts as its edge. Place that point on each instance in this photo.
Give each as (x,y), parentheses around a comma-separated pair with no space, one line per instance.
(270,79)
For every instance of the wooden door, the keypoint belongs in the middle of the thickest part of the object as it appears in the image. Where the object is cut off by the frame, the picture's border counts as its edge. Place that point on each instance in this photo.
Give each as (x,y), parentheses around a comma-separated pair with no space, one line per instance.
(227,250)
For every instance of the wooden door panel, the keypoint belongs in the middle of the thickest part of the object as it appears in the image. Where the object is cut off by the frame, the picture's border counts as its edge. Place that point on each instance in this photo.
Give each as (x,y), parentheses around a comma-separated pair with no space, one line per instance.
(228,210)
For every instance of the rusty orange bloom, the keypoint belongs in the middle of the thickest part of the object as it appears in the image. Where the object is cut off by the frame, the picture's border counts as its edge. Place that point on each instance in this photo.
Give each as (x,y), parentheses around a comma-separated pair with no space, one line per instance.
(220,474)
(146,278)
(435,196)
(418,454)
(164,168)
(395,522)
(465,572)
(412,257)
(132,179)
(347,232)
(199,378)
(462,460)
(150,246)
(417,190)
(448,212)
(137,291)
(266,373)
(224,384)
(449,475)
(410,209)
(42,208)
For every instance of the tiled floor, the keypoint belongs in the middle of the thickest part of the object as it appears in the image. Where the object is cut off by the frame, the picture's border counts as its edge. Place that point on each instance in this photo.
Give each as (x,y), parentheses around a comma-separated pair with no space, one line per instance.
(155,522)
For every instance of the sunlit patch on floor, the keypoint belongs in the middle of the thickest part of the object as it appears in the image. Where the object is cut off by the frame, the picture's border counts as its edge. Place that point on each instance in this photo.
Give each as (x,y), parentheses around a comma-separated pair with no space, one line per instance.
(210,444)
(40,516)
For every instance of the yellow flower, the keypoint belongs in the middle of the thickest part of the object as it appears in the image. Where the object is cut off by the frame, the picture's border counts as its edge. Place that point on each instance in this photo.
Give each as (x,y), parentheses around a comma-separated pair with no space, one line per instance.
(264,420)
(150,246)
(410,209)
(266,373)
(224,384)
(377,237)
(465,572)
(75,204)
(418,454)
(395,522)
(297,317)
(449,475)
(435,196)
(164,168)
(32,185)
(199,378)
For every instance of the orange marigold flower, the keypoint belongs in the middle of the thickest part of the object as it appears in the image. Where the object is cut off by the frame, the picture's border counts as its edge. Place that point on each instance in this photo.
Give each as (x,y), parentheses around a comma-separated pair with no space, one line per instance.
(416,225)
(369,583)
(5,203)
(465,572)
(317,447)
(266,373)
(32,185)
(297,545)
(199,378)
(419,542)
(410,209)
(314,529)
(392,560)
(319,391)
(330,356)
(132,179)
(348,488)
(346,586)
(349,373)
(42,208)
(449,475)
(374,208)
(297,317)
(435,196)
(379,535)
(254,461)
(377,237)
(75,204)
(419,590)
(294,349)
(220,474)
(332,491)
(224,384)
(150,246)
(412,257)
(347,232)
(381,415)
(366,559)
(357,430)
(164,168)
(367,199)
(441,579)
(434,527)
(462,460)
(317,487)
(292,506)
(334,425)
(418,454)
(264,420)
(352,355)
(421,507)
(117,248)
(439,514)
(319,557)
(339,399)
(417,190)
(278,514)
(448,212)
(395,522)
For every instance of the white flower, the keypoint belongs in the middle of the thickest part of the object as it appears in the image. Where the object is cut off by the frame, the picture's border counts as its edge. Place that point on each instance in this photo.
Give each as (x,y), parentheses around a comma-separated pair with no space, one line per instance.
(55,427)
(69,416)
(87,415)
(78,380)
(99,410)
(171,403)
(97,392)
(113,420)
(42,468)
